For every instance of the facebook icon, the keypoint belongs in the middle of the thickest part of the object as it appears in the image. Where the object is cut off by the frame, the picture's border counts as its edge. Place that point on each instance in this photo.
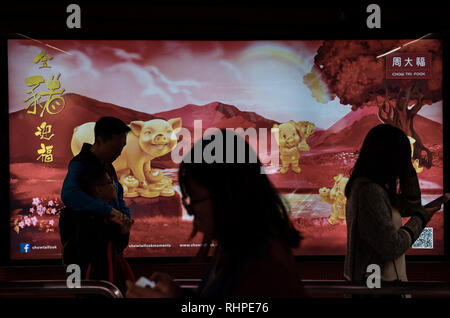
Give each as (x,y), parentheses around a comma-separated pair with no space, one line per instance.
(24,247)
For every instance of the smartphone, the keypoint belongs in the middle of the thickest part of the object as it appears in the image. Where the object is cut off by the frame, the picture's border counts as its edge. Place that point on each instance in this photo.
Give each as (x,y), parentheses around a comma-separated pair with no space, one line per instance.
(438,202)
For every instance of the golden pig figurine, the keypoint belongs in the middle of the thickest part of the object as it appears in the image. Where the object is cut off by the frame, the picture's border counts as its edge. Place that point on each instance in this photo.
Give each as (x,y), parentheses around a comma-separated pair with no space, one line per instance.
(336,198)
(287,136)
(146,141)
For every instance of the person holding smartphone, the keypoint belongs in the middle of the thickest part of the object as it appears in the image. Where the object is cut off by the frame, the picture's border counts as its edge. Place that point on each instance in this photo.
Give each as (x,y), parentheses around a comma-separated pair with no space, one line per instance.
(237,208)
(383,188)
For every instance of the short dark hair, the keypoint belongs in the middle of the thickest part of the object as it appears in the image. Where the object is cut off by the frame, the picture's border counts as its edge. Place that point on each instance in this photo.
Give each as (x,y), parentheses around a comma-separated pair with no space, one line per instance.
(108,126)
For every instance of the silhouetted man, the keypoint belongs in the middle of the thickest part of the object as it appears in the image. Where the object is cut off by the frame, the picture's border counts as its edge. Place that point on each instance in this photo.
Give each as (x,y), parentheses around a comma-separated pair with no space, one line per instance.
(77,235)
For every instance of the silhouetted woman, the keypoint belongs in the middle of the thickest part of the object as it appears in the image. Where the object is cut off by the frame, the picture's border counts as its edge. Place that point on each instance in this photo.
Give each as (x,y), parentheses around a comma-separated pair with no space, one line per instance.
(382,189)
(236,207)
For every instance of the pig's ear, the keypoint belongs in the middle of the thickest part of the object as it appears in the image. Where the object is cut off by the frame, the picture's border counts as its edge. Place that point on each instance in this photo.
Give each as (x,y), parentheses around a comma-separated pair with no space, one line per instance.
(176,124)
(136,127)
(297,126)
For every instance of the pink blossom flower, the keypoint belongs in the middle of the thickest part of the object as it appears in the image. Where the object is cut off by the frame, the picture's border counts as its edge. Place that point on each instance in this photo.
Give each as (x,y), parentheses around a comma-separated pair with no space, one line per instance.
(51,203)
(36,201)
(28,222)
(40,212)
(34,220)
(21,224)
(51,222)
(31,210)
(53,211)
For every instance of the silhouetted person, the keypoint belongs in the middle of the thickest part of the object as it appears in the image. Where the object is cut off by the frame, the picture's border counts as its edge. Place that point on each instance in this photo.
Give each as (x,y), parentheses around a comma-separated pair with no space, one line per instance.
(383,188)
(236,207)
(96,201)
(94,242)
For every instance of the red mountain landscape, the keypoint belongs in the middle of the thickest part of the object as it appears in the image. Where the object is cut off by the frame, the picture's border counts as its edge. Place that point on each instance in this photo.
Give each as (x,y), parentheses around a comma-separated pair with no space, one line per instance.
(217,115)
(348,132)
(80,109)
(344,137)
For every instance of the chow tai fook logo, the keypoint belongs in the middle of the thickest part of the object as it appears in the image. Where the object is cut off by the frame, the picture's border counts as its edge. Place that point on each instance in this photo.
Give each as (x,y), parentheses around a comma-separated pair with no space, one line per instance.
(408,66)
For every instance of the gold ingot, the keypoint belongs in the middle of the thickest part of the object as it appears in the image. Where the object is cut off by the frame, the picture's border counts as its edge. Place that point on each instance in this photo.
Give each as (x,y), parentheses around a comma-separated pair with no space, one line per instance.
(149,194)
(155,187)
(130,181)
(133,194)
(155,176)
(167,192)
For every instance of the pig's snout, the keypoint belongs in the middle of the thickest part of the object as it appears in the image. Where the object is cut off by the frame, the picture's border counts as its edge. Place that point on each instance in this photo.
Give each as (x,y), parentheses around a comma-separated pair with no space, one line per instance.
(160,139)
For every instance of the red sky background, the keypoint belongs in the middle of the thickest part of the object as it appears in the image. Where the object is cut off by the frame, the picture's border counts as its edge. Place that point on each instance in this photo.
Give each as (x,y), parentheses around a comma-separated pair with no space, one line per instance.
(154,76)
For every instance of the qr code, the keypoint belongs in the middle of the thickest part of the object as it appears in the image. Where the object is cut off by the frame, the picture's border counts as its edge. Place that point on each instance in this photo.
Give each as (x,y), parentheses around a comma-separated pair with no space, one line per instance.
(425,239)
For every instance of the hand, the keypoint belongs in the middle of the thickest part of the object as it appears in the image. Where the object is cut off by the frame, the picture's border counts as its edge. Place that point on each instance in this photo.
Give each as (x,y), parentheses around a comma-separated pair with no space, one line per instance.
(125,228)
(117,217)
(134,291)
(432,211)
(165,287)
(124,222)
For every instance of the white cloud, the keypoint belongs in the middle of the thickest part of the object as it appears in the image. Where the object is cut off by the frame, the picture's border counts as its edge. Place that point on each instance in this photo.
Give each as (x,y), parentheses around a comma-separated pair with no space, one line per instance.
(142,77)
(173,86)
(233,69)
(125,55)
(80,65)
